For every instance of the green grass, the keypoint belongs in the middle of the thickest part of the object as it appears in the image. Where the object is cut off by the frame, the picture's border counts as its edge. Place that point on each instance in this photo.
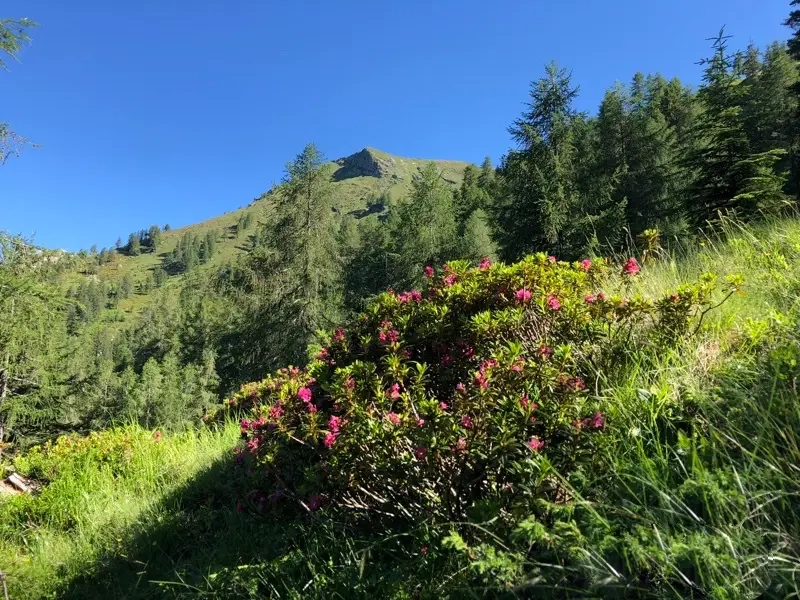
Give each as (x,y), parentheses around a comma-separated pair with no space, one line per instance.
(696,491)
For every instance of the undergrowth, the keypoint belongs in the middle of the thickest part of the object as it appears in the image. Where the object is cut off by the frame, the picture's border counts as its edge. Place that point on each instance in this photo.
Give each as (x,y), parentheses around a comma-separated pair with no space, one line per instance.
(692,489)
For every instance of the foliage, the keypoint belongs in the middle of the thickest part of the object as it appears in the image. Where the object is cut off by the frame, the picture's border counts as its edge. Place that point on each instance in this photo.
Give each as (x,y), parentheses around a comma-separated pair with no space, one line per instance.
(459,401)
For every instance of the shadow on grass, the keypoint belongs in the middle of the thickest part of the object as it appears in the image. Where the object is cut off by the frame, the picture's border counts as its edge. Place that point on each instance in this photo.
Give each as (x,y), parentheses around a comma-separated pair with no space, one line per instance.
(194,543)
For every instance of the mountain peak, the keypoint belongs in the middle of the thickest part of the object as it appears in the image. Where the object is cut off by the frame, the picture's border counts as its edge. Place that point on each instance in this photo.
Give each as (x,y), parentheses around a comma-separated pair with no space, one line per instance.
(368,162)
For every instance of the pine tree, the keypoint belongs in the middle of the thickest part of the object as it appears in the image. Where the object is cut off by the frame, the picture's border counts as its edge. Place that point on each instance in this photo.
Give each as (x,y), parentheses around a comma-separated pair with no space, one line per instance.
(476,242)
(540,193)
(299,262)
(722,153)
(13,36)
(154,238)
(134,245)
(424,228)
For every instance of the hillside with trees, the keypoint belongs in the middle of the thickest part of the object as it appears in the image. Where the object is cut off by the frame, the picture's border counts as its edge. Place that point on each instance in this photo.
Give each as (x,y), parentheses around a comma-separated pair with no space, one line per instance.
(570,373)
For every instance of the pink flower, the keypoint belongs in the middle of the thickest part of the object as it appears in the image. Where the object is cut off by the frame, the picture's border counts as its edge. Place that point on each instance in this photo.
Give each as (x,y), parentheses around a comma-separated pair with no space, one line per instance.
(394,391)
(461,445)
(443,405)
(334,423)
(586,264)
(485,264)
(460,388)
(244,425)
(312,408)
(394,418)
(590,299)
(552,259)
(276,412)
(601,296)
(447,360)
(576,384)
(526,403)
(535,444)
(424,549)
(598,420)
(545,352)
(304,394)
(323,354)
(330,439)
(522,295)
(481,381)
(519,364)
(338,335)
(450,279)
(253,444)
(420,422)
(420,453)
(466,422)
(553,302)
(349,384)
(631,267)
(428,271)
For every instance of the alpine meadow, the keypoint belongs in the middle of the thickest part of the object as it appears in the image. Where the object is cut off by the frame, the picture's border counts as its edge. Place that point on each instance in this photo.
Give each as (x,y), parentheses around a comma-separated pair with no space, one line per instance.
(571,373)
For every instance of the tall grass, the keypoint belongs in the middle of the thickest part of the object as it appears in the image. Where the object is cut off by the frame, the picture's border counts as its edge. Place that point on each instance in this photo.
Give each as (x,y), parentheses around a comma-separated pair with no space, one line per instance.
(695,491)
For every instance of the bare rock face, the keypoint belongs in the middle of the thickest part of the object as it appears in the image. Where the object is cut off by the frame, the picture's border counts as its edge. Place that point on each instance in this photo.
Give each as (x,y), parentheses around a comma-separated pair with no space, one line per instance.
(365,163)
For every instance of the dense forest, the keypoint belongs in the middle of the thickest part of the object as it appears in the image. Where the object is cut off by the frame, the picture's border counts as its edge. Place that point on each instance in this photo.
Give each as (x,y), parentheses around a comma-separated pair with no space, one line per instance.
(657,165)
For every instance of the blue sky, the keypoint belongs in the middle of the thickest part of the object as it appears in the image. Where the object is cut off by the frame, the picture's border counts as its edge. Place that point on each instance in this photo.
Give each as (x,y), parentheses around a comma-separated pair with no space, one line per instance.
(174,111)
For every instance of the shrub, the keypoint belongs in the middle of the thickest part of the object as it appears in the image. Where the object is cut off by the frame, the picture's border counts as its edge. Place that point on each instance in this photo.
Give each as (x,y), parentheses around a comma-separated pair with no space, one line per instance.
(470,399)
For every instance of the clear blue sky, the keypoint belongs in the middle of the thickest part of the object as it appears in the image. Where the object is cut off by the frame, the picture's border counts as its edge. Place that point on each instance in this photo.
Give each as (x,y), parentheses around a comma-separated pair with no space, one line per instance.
(174,111)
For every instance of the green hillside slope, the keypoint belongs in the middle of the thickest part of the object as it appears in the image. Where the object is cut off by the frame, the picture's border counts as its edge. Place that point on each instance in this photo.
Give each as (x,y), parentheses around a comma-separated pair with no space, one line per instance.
(367,174)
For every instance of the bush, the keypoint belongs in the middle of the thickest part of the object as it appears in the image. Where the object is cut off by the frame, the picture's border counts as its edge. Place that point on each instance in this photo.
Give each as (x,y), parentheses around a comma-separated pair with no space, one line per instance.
(469,400)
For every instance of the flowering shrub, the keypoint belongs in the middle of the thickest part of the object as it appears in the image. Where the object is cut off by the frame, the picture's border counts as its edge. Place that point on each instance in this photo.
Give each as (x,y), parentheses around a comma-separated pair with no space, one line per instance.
(463,400)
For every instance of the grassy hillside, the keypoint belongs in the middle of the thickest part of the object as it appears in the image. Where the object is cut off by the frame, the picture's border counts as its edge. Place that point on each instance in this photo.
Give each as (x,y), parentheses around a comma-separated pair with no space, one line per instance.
(698,493)
(368,173)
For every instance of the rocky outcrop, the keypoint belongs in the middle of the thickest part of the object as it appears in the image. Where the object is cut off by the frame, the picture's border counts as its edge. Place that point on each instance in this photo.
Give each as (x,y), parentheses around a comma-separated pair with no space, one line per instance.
(365,163)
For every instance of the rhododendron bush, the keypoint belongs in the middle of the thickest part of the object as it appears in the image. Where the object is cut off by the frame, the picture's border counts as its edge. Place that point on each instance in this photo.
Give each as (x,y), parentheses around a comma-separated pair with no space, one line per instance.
(470,398)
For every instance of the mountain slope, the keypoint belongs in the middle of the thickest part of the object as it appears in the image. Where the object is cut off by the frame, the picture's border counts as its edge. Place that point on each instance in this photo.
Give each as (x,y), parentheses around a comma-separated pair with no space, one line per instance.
(357,178)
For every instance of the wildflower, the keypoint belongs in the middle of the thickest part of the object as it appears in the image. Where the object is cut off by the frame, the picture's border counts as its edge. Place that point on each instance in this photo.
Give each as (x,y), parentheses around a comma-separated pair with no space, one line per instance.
(294,370)
(420,422)
(552,259)
(394,418)
(460,445)
(522,295)
(428,271)
(489,363)
(450,279)
(394,391)
(590,299)
(518,365)
(338,335)
(157,436)
(466,422)
(420,453)
(598,420)
(526,403)
(576,384)
(304,394)
(481,381)
(586,264)
(276,411)
(335,423)
(329,440)
(675,297)
(553,302)
(535,444)
(443,405)
(389,337)
(312,408)
(631,267)
(350,384)
(253,444)
(244,425)
(323,354)
(447,360)
(544,351)
(485,264)
(424,550)
(601,296)
(460,388)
